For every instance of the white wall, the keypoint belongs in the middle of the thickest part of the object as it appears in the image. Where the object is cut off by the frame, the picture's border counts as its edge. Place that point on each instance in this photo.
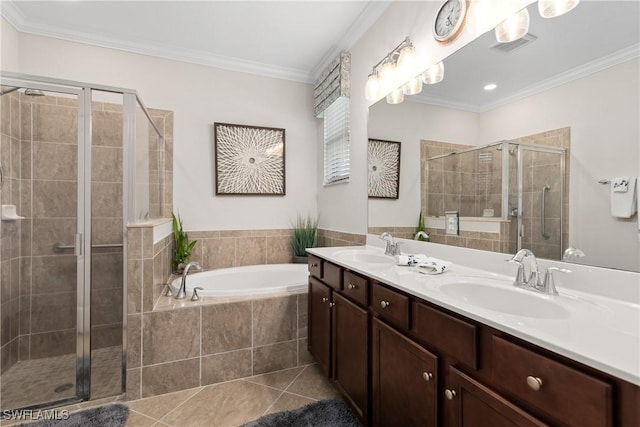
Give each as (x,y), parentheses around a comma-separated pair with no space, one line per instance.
(409,123)
(8,47)
(200,96)
(603,112)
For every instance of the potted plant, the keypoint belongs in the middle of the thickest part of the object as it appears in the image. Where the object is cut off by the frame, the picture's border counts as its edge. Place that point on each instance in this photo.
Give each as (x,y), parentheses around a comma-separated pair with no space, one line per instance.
(182,247)
(303,235)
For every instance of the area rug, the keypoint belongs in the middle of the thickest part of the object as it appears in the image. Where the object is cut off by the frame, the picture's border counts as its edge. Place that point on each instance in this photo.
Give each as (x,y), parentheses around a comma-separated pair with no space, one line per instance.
(324,413)
(102,416)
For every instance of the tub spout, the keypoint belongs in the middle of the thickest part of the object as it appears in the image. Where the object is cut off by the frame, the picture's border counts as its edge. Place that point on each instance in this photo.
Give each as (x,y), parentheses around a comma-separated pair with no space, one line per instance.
(182,292)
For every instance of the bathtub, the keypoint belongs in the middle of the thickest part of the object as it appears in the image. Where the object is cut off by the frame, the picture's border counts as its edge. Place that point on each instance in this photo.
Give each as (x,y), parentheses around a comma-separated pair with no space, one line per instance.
(247,280)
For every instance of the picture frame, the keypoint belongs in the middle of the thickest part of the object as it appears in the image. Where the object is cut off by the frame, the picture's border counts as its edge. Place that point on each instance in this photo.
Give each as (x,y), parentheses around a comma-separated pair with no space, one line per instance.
(249,160)
(383,167)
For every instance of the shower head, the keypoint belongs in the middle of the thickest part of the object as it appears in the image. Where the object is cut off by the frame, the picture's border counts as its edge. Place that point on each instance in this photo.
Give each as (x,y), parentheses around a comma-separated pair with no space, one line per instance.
(33,92)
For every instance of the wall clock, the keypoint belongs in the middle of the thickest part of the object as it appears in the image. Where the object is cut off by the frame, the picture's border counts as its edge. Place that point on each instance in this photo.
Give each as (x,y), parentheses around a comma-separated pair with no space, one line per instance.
(449,20)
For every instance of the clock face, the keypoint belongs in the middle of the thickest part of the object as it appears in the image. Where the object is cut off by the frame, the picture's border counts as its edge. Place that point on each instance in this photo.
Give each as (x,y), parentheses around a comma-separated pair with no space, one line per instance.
(449,19)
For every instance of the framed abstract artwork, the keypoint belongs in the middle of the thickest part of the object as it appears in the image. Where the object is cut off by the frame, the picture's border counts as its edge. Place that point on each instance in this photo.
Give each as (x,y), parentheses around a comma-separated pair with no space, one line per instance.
(249,160)
(383,165)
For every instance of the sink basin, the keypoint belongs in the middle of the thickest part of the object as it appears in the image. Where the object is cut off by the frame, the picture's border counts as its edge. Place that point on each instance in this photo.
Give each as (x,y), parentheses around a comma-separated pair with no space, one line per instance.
(362,255)
(506,300)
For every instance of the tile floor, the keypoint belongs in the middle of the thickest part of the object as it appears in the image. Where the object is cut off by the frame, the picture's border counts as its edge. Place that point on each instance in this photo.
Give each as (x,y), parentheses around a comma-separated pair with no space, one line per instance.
(228,404)
(30,382)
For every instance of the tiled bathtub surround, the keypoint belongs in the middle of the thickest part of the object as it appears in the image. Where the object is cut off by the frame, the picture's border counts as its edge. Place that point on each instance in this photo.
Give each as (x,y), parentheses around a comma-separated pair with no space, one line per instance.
(180,348)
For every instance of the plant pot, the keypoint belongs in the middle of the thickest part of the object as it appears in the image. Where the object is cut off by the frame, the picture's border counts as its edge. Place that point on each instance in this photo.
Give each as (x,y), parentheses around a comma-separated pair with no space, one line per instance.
(300,259)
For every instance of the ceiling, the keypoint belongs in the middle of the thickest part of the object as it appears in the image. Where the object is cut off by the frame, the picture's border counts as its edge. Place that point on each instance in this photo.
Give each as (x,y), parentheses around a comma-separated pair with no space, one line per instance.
(293,40)
(591,37)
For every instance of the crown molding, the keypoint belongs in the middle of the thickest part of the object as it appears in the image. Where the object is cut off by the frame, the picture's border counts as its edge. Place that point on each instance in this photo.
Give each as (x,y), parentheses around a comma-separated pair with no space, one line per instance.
(371,13)
(592,67)
(10,12)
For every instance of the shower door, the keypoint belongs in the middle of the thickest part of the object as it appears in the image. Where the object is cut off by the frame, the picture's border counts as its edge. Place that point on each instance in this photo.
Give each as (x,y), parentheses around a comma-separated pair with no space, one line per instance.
(541,186)
(43,357)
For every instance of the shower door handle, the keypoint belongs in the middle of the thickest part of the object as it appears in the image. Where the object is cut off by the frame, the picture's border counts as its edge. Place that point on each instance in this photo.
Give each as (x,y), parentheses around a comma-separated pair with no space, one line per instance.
(77,250)
(545,189)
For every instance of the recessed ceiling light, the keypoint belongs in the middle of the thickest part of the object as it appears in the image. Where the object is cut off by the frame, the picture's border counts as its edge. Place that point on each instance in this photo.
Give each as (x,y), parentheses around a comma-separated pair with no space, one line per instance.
(490,86)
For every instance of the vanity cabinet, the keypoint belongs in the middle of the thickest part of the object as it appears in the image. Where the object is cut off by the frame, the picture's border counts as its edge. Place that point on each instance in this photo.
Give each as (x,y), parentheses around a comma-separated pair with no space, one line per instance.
(339,332)
(404,380)
(402,361)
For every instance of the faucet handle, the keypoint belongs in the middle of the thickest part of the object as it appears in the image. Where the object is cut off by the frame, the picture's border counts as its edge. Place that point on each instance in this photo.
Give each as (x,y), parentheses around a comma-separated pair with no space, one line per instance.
(169,292)
(548,285)
(195,296)
(520,280)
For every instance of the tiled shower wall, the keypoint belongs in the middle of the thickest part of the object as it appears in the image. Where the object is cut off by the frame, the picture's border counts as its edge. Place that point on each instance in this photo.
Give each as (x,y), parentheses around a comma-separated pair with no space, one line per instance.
(10,257)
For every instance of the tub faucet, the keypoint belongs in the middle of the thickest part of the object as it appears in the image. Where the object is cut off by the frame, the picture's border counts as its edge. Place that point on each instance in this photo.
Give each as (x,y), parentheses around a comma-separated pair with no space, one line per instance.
(571,253)
(421,234)
(392,247)
(182,292)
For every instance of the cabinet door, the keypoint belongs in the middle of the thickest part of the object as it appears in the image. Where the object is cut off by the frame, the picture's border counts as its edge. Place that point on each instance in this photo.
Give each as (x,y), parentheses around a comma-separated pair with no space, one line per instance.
(350,352)
(320,324)
(470,404)
(405,380)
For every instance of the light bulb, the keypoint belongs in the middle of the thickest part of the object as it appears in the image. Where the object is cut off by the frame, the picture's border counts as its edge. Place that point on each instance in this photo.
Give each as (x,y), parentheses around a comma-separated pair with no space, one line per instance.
(553,8)
(387,77)
(433,74)
(413,86)
(396,96)
(513,28)
(372,88)
(405,67)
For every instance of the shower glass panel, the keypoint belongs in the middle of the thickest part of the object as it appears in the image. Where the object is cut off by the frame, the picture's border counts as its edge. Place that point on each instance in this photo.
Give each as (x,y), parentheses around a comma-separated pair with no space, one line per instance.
(41,275)
(106,243)
(149,166)
(542,199)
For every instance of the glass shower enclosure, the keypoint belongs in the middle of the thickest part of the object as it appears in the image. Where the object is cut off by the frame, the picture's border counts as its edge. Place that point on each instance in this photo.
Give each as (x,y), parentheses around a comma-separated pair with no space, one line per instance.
(520,185)
(70,183)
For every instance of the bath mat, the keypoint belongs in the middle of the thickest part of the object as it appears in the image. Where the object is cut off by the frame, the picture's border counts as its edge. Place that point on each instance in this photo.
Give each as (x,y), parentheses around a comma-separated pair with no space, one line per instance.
(324,413)
(102,416)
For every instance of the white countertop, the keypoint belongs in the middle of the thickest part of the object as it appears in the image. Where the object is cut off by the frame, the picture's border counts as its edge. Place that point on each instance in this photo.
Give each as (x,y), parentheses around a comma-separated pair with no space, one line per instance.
(600,332)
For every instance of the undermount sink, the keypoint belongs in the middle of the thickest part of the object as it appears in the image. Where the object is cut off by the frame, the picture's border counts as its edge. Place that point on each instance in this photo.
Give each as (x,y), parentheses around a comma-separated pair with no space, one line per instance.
(362,255)
(506,300)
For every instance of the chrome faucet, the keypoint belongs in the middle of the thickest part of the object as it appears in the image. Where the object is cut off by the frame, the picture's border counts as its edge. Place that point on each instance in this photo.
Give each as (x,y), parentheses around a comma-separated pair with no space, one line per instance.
(571,253)
(182,292)
(522,281)
(533,282)
(421,234)
(392,247)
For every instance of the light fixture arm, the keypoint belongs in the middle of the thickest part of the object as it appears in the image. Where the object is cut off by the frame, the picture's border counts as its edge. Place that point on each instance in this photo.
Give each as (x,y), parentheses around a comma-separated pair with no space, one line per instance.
(394,53)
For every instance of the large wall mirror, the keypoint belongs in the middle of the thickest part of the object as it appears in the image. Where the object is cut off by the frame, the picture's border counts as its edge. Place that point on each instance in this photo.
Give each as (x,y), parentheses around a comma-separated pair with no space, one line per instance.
(527,164)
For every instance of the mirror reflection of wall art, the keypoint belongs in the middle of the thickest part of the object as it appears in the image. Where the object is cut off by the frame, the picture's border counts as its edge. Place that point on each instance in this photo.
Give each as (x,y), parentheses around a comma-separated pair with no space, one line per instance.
(384,169)
(249,160)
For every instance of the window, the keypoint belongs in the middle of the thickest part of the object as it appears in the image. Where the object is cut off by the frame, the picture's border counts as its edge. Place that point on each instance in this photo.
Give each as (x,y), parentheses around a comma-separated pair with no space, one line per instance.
(336,141)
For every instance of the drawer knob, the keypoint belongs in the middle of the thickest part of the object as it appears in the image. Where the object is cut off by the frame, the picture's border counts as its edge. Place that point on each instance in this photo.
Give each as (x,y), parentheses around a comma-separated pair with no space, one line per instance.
(325,299)
(351,286)
(384,304)
(332,304)
(313,265)
(449,394)
(534,382)
(427,376)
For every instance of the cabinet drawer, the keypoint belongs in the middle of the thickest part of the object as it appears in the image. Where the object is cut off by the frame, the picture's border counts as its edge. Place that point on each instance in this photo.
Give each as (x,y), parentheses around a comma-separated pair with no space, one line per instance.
(315,266)
(332,275)
(390,305)
(564,393)
(356,287)
(451,335)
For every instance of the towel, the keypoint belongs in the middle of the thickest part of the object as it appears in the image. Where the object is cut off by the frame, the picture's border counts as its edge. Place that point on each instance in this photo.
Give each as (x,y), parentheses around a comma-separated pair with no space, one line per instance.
(433,266)
(410,259)
(624,203)
(621,184)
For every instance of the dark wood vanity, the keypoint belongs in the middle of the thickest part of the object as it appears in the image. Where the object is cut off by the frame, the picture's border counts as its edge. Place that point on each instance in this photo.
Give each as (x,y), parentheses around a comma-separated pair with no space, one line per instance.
(401,361)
